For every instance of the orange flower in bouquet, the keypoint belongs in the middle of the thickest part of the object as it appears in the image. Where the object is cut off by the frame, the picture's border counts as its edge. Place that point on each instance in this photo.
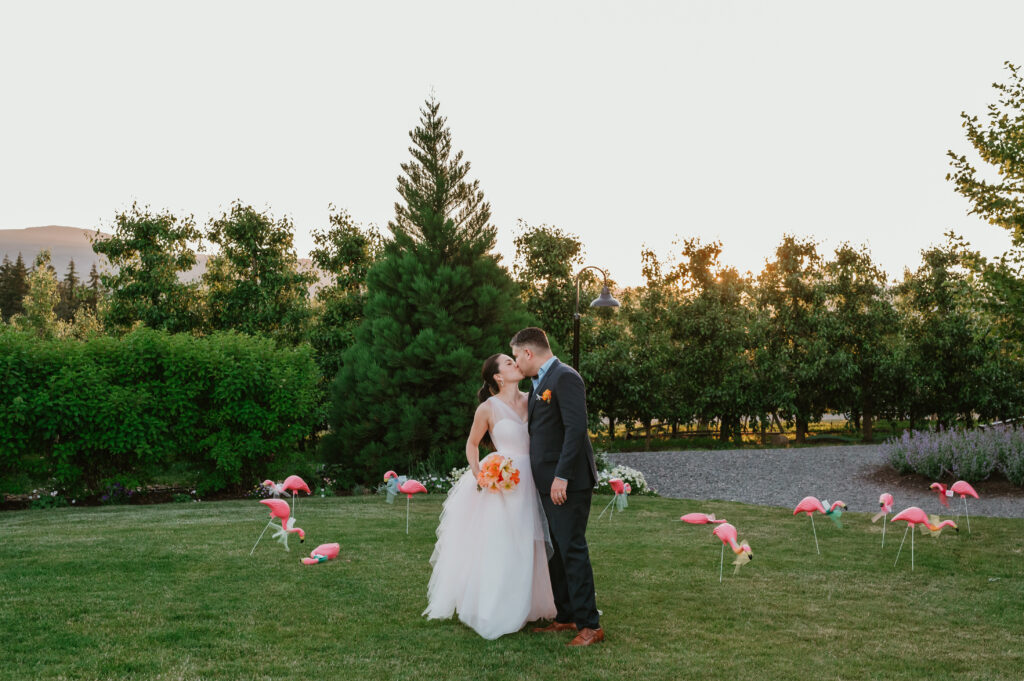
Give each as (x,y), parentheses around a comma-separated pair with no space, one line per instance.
(497,474)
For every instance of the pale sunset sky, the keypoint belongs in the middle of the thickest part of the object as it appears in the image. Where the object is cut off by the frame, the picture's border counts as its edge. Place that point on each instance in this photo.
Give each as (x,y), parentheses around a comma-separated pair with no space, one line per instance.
(625,123)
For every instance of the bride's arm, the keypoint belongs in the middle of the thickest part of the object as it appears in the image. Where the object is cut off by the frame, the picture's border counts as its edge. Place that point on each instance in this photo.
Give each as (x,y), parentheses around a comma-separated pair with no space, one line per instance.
(481,420)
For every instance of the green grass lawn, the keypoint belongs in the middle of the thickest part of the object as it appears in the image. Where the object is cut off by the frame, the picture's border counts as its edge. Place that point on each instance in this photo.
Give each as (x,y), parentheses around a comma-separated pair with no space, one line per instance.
(170,592)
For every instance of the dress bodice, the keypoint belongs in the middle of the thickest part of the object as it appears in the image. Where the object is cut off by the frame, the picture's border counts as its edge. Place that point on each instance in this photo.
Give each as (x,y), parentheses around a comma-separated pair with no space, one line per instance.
(509,432)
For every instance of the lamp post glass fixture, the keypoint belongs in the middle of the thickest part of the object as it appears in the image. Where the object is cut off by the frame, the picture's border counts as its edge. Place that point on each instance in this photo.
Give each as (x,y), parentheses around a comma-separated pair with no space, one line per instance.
(603,300)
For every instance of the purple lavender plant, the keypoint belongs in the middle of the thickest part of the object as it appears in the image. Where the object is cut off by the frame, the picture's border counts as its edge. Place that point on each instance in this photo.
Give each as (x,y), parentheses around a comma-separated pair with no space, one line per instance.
(972,455)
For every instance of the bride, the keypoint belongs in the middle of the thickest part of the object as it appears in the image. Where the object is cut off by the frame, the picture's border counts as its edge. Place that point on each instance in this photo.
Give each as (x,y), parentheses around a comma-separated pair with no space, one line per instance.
(491,557)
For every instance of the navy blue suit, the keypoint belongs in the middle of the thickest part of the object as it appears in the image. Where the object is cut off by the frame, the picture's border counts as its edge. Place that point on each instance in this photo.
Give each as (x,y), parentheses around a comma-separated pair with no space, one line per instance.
(560,447)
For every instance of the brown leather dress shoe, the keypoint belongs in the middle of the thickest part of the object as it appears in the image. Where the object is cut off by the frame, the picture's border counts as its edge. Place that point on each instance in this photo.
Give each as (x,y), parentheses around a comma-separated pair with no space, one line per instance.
(587,637)
(555,626)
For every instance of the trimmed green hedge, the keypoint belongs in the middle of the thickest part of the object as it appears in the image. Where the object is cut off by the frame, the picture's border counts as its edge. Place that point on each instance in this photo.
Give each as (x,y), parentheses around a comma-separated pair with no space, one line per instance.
(223,407)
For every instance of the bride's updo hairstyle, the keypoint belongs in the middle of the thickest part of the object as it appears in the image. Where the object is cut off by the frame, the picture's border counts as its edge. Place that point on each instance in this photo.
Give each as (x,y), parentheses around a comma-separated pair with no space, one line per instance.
(490,386)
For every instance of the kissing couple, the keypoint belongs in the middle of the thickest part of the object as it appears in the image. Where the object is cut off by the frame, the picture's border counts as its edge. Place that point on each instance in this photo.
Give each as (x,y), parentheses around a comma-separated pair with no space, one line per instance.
(515,553)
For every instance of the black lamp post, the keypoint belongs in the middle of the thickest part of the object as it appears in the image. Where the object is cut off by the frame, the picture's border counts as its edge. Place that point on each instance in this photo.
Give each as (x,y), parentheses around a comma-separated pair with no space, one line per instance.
(603,300)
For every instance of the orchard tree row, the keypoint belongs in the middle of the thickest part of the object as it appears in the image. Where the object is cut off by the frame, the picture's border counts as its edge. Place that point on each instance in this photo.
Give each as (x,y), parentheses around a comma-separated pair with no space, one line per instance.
(405,320)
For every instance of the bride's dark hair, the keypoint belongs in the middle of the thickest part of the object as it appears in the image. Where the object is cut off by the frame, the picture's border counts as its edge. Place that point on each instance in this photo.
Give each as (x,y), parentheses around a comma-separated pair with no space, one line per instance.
(489,388)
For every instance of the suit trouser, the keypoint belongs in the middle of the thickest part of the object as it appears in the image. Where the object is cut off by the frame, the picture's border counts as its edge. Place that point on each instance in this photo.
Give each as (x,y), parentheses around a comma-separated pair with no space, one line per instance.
(572,578)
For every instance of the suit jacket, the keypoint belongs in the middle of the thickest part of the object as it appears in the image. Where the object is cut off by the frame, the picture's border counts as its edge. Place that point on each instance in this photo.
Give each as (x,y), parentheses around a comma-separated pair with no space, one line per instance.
(559,443)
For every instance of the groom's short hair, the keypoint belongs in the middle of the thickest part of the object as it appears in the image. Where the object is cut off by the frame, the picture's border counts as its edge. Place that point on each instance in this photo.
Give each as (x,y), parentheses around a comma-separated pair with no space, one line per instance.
(532,336)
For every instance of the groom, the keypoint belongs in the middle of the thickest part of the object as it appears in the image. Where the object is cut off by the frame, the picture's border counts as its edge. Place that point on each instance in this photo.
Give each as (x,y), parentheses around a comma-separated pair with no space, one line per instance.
(562,461)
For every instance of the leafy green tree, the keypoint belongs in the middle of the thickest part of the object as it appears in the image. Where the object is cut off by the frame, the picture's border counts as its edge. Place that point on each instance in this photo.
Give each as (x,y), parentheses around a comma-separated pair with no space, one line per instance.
(861,332)
(653,355)
(999,143)
(716,336)
(546,261)
(254,284)
(790,294)
(608,367)
(13,286)
(438,303)
(961,365)
(147,251)
(41,300)
(346,251)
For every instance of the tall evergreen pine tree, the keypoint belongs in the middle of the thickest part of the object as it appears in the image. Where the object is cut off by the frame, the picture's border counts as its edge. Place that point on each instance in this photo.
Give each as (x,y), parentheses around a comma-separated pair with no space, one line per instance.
(93,289)
(13,287)
(68,292)
(5,277)
(438,304)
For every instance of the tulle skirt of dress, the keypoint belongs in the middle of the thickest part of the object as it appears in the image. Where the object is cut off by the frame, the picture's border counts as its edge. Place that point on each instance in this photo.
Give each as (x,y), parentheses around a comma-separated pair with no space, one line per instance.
(491,560)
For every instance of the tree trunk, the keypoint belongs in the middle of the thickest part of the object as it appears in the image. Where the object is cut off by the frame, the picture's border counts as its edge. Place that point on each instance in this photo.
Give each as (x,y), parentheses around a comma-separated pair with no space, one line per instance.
(675,429)
(647,435)
(611,429)
(801,429)
(868,417)
(723,431)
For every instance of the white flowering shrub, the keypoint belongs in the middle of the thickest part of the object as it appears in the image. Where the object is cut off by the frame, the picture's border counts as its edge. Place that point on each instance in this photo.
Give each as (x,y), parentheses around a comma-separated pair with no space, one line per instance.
(626,474)
(605,472)
(454,475)
(435,484)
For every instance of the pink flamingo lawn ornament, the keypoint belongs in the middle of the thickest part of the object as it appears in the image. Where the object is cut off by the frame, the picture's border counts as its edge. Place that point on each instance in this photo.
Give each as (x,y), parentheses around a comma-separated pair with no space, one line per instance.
(935,525)
(915,516)
(621,491)
(885,506)
(943,492)
(279,509)
(400,485)
(322,554)
(727,533)
(700,518)
(964,489)
(809,505)
(275,488)
(295,484)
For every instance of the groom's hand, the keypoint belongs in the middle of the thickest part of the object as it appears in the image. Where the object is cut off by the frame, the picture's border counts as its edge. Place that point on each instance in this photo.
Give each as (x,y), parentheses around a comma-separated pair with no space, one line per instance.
(558,491)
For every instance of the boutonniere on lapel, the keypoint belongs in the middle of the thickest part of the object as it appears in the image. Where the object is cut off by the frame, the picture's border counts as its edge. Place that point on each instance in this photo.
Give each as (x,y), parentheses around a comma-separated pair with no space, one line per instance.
(545,396)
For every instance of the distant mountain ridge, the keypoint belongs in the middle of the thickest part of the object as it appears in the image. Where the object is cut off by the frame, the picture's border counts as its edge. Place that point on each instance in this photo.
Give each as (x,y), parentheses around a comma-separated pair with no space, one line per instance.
(74,243)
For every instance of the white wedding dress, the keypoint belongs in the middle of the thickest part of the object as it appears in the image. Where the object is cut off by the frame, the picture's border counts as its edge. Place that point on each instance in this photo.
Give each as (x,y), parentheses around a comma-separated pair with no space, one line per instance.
(491,557)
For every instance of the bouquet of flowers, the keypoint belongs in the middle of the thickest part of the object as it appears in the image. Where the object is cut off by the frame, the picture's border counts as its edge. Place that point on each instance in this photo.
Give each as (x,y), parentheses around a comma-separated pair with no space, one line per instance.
(497,473)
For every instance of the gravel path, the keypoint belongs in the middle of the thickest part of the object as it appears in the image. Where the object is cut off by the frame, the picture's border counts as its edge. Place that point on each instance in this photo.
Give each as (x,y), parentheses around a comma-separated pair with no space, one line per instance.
(857,474)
